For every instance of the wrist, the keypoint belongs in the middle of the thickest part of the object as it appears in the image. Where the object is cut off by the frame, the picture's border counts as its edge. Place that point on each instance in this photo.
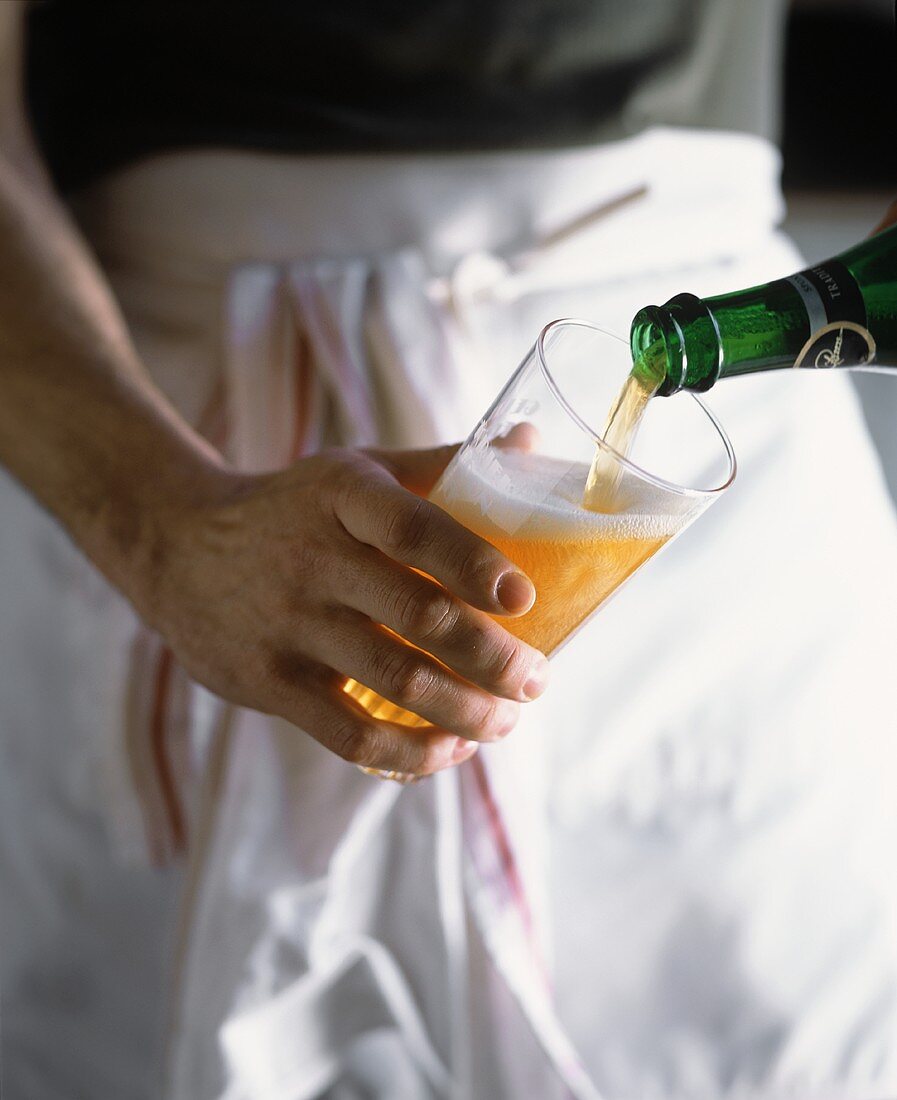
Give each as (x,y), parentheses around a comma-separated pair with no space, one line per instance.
(148,514)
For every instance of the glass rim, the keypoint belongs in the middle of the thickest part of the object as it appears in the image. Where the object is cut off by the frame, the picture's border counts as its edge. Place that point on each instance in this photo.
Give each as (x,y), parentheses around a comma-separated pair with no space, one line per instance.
(598,439)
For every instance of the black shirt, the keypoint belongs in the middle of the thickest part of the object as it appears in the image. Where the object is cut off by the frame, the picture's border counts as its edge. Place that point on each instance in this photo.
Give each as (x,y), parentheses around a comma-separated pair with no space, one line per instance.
(112,80)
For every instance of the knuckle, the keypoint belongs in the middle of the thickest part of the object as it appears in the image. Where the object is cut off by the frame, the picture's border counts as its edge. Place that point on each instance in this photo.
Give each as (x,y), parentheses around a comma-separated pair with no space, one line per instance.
(406,527)
(409,679)
(339,462)
(354,742)
(493,717)
(430,618)
(507,668)
(345,478)
(478,564)
(403,604)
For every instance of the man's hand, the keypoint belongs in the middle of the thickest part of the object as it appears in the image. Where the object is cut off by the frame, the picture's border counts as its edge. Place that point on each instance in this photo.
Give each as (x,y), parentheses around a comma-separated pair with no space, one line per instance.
(272,589)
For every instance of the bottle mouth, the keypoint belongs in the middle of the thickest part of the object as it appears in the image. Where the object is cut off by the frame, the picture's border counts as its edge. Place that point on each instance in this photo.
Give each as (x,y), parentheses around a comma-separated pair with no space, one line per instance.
(650,325)
(668,324)
(543,355)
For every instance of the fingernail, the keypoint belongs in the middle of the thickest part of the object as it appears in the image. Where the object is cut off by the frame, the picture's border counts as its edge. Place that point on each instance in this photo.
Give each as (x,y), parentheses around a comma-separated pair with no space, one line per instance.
(515,592)
(537,681)
(463,750)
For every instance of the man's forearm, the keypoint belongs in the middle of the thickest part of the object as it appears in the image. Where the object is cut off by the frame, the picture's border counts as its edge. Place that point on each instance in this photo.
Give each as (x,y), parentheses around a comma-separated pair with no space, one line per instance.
(81,424)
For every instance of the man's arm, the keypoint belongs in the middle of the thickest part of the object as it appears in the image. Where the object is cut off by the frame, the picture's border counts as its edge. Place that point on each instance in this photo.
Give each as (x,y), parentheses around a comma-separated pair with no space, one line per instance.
(81,423)
(268,588)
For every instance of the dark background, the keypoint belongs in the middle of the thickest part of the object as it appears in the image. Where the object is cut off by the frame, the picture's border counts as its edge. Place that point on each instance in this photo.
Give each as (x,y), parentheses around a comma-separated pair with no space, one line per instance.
(839,126)
(839,145)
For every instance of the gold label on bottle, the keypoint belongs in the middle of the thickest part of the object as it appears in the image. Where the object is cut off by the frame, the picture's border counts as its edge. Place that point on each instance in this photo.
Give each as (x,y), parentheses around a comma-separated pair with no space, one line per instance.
(839,344)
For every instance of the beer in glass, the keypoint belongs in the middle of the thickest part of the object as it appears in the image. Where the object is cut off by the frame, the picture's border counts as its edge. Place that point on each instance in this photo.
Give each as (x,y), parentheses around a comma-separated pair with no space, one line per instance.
(520,478)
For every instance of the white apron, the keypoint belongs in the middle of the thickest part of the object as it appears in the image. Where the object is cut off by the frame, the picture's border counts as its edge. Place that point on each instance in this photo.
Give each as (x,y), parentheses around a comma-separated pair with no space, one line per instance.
(718,746)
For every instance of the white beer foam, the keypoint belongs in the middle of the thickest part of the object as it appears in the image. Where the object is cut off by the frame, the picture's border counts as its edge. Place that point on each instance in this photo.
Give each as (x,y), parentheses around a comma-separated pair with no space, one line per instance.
(529,495)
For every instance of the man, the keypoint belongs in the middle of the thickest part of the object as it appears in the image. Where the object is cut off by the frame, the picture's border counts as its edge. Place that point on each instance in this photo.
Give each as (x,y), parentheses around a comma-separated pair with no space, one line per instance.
(268,581)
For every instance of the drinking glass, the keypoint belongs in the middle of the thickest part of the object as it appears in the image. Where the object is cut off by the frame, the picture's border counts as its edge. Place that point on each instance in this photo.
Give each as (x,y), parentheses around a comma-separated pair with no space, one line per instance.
(519,478)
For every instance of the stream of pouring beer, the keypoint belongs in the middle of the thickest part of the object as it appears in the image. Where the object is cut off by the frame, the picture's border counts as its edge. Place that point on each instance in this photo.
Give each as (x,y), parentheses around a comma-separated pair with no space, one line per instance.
(602,492)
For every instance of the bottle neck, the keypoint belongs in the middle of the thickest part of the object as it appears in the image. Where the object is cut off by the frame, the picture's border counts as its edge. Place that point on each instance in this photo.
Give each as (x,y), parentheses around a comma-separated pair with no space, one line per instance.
(677,345)
(840,313)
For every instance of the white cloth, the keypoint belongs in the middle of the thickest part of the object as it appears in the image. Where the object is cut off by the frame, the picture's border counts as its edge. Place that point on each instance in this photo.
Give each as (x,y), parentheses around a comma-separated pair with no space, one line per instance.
(716,746)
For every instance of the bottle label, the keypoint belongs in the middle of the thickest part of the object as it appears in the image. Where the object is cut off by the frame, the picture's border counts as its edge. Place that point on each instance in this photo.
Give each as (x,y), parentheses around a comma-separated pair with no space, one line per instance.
(836,315)
(840,344)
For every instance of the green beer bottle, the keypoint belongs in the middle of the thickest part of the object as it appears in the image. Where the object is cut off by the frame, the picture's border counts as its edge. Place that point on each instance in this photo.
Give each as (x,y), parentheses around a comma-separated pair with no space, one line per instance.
(842,312)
